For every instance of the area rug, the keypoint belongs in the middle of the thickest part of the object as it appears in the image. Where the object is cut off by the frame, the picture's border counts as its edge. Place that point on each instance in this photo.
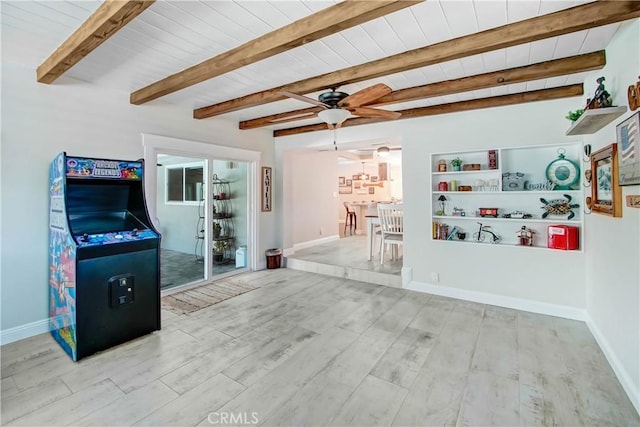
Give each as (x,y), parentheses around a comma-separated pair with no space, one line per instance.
(204,296)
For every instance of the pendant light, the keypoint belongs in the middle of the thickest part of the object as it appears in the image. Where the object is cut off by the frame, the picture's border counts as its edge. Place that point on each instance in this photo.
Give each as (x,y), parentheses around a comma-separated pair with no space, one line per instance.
(364,176)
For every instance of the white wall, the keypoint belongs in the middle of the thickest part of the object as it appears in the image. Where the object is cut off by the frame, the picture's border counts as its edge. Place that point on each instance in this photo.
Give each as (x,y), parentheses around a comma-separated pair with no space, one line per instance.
(613,256)
(314,187)
(39,121)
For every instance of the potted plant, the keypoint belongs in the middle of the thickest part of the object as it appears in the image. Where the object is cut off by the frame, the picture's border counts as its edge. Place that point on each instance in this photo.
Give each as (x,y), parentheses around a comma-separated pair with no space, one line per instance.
(456,163)
(217,229)
(219,247)
(575,115)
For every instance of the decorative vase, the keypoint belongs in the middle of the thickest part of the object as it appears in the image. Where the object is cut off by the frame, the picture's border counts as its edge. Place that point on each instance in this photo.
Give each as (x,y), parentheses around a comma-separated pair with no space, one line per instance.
(456,168)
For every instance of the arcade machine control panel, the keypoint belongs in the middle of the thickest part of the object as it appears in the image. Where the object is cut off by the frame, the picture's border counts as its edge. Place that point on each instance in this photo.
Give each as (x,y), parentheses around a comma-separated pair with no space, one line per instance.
(85,240)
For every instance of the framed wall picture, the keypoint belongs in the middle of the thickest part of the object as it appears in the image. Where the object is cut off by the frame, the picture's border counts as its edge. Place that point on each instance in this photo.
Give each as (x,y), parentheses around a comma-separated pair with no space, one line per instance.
(383,170)
(372,190)
(267,185)
(606,196)
(357,185)
(628,138)
(344,190)
(374,179)
(349,182)
(341,181)
(355,177)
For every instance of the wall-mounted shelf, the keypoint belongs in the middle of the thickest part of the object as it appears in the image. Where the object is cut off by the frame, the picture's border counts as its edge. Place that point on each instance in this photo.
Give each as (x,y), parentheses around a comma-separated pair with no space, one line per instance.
(500,219)
(595,119)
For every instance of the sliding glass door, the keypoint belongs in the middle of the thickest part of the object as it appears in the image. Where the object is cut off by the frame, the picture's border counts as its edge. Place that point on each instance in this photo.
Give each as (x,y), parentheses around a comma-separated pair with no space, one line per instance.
(181,214)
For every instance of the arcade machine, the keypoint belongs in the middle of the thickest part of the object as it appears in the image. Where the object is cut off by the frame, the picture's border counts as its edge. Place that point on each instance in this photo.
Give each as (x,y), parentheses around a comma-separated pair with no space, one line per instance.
(104,255)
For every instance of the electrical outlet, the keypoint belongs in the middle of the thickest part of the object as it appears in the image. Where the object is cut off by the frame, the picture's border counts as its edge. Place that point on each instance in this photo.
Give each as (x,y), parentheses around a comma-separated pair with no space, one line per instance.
(435,277)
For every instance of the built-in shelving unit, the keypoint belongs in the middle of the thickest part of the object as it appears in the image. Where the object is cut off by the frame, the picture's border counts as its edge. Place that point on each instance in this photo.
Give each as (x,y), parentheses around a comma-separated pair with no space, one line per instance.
(487,192)
(593,120)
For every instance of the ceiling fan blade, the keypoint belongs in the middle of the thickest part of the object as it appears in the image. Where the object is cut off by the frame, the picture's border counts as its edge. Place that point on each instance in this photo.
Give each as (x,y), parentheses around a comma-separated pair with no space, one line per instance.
(375,113)
(365,96)
(303,98)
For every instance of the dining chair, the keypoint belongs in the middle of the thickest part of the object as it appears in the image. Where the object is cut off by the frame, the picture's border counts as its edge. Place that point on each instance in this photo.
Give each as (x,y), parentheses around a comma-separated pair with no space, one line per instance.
(391,218)
(350,220)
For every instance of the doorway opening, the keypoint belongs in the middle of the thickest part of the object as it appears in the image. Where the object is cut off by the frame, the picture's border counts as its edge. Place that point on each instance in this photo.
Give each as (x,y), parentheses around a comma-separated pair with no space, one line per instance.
(340,201)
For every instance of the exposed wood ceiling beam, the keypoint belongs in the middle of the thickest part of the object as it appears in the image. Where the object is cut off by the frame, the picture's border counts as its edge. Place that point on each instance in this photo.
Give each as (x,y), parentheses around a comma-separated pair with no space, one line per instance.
(554,24)
(541,70)
(110,17)
(313,27)
(475,104)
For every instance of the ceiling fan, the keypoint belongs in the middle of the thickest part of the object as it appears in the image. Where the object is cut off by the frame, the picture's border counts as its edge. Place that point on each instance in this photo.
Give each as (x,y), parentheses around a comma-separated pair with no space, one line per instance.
(381,149)
(339,105)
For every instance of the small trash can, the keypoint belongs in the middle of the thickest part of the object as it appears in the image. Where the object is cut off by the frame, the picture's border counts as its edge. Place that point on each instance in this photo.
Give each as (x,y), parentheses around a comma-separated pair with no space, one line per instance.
(274,258)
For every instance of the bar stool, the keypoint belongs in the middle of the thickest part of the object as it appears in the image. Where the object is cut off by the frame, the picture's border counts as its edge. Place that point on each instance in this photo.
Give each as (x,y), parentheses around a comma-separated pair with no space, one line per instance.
(350,220)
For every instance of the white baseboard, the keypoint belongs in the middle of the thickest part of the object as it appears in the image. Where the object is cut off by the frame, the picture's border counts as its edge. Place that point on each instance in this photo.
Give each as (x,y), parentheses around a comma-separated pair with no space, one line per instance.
(623,376)
(288,252)
(500,300)
(24,331)
(311,243)
(407,276)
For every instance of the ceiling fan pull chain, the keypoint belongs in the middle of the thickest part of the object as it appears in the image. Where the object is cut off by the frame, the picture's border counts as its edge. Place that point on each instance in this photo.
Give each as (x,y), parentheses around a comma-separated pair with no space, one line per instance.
(335,136)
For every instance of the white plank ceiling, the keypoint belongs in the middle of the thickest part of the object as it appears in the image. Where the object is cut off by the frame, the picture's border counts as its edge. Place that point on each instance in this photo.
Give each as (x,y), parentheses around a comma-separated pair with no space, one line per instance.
(172,35)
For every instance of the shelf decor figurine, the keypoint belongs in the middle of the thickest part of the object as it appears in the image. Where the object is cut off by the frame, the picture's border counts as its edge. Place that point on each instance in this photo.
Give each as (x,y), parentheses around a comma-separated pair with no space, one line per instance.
(456,163)
(525,236)
(458,211)
(513,181)
(601,98)
(442,166)
(633,95)
(559,207)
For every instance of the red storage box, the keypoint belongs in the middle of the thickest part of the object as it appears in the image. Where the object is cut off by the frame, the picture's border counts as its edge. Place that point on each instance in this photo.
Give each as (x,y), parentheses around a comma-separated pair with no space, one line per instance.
(563,237)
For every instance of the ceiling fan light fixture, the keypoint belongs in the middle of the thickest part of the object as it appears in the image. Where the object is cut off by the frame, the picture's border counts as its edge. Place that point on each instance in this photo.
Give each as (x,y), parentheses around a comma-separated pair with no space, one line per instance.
(333,116)
(383,151)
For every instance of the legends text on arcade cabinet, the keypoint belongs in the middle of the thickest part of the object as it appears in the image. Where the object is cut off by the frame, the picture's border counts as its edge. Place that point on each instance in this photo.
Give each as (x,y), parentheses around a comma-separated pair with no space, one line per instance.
(104,255)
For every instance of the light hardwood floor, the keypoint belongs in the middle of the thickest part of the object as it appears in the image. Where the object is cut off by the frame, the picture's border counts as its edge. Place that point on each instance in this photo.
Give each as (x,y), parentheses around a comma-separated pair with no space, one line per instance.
(350,252)
(306,349)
